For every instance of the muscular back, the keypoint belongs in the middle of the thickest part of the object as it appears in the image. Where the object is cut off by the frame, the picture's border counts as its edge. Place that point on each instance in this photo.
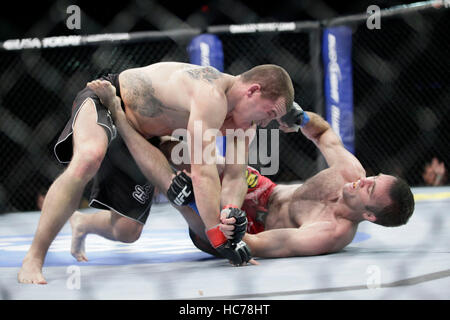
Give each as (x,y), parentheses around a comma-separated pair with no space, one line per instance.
(158,97)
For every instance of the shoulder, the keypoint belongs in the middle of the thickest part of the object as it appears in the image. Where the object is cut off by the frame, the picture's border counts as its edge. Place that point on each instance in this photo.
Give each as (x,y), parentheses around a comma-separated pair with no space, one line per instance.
(343,235)
(350,169)
(202,74)
(204,82)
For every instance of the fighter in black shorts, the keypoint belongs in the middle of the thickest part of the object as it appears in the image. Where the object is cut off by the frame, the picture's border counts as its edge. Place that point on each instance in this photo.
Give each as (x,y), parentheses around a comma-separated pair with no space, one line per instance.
(119,184)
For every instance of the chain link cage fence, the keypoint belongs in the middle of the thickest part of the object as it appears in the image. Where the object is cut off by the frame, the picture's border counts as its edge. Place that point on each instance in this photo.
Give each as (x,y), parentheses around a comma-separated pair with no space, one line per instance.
(402,93)
(400,76)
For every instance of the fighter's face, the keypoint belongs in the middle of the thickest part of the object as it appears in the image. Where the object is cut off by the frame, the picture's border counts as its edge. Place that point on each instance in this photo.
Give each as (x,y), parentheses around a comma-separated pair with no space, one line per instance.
(370,191)
(254,109)
(270,110)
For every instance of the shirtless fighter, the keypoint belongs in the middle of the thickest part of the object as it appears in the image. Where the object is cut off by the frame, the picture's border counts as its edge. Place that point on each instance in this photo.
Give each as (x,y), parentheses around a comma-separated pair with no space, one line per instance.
(319,216)
(155,100)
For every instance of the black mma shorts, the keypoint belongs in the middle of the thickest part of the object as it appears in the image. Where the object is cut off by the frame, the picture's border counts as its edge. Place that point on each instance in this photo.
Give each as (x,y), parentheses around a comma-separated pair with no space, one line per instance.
(119,184)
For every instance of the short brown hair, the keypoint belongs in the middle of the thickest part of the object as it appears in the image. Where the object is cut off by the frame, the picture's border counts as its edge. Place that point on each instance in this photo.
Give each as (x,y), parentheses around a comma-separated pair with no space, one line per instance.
(274,80)
(401,208)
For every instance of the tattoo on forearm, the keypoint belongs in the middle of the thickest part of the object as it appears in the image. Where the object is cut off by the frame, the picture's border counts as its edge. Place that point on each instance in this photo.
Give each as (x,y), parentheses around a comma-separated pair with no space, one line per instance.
(207,74)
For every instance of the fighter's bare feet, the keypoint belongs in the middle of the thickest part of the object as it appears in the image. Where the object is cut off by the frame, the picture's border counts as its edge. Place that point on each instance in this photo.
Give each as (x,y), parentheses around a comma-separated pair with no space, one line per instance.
(31,272)
(78,237)
(107,94)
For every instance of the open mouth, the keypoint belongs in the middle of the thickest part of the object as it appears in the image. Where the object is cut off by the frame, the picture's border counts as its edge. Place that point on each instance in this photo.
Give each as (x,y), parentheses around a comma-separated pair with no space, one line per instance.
(356,184)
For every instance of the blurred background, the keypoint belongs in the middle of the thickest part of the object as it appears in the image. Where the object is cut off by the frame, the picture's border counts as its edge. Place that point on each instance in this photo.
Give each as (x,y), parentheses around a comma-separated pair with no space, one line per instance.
(400,74)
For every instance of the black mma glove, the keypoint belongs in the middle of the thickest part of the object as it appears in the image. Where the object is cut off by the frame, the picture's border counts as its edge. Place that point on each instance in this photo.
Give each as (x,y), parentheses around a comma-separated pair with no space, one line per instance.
(296,118)
(238,253)
(240,226)
(181,191)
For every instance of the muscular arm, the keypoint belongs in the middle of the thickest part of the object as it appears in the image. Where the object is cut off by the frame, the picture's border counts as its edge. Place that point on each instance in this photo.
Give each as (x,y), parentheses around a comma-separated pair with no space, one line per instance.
(289,242)
(234,186)
(320,132)
(208,109)
(234,183)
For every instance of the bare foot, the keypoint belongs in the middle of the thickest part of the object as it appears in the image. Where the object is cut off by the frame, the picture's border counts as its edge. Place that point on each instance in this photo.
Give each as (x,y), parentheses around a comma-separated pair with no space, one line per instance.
(107,94)
(78,237)
(31,272)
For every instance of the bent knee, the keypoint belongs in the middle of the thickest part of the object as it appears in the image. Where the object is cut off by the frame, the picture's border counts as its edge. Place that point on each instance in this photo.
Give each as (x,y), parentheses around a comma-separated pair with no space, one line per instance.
(128,237)
(127,231)
(86,162)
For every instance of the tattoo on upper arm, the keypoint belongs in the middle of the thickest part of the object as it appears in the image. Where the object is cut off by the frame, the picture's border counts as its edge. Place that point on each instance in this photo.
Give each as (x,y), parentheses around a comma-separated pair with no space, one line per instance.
(208,74)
